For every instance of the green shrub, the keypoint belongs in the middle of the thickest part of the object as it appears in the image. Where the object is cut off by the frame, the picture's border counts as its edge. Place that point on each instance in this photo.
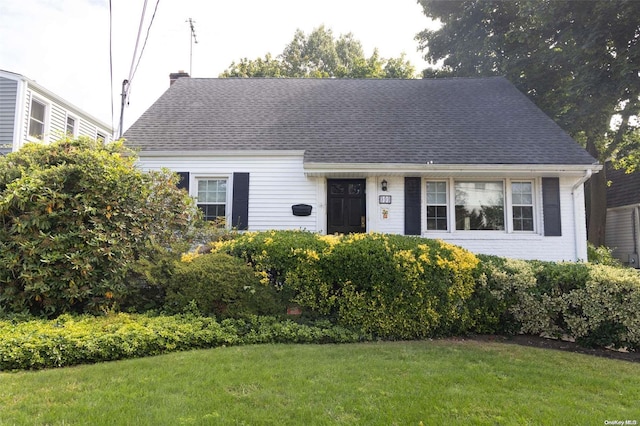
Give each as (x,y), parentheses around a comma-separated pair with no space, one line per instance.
(387,285)
(70,340)
(75,216)
(601,255)
(220,285)
(597,305)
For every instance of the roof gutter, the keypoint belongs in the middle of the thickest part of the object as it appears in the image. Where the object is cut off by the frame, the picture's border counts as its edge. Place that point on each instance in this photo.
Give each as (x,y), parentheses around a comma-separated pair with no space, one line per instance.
(580,243)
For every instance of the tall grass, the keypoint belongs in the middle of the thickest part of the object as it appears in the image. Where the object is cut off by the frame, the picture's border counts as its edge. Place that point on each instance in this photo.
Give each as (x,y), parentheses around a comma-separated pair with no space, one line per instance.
(404,383)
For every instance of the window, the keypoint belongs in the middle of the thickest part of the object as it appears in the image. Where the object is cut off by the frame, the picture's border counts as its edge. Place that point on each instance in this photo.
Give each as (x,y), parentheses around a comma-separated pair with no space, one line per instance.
(522,205)
(71,126)
(36,119)
(479,206)
(437,206)
(496,205)
(212,198)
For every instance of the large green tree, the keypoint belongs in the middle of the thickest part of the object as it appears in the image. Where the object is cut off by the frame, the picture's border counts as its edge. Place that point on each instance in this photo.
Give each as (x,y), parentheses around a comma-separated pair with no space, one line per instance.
(579,61)
(321,55)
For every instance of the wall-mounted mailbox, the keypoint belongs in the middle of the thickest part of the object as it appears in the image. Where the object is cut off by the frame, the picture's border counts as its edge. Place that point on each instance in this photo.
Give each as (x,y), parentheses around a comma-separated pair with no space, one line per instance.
(301,209)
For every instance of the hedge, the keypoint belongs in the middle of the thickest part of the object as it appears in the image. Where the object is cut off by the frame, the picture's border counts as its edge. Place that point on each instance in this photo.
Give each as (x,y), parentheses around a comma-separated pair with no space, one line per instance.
(71,340)
(391,286)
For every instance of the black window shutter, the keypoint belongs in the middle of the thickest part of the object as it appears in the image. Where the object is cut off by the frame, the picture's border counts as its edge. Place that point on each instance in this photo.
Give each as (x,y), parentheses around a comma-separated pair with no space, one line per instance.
(183,181)
(551,207)
(240,205)
(412,206)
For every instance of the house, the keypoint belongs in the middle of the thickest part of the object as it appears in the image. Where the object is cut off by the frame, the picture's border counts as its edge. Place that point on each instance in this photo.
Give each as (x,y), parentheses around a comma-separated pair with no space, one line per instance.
(29,113)
(622,232)
(470,161)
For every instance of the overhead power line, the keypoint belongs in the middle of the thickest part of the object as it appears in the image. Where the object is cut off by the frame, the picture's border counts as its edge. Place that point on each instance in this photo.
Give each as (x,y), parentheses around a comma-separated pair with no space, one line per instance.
(126,84)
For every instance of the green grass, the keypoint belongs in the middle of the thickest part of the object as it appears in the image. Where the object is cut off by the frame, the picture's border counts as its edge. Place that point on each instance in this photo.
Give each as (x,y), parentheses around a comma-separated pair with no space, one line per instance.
(404,383)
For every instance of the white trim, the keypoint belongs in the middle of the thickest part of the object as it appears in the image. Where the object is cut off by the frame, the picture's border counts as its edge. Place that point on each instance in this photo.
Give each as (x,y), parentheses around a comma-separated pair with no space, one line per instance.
(435,170)
(507,206)
(45,120)
(193,190)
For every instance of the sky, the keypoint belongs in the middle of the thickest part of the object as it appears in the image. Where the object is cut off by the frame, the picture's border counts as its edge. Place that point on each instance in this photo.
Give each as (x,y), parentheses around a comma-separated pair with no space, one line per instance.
(64,45)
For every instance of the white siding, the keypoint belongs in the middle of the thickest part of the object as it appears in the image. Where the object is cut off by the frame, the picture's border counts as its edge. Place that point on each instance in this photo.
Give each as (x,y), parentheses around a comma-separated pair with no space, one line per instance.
(513,245)
(58,122)
(619,232)
(278,181)
(394,221)
(275,184)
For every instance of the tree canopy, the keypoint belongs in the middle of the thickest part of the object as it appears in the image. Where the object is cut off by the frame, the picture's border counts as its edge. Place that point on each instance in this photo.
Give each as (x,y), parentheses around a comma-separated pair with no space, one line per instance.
(577,60)
(321,55)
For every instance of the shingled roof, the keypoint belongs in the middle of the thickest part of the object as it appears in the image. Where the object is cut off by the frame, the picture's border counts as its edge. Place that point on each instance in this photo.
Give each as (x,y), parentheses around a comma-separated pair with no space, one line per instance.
(624,189)
(439,121)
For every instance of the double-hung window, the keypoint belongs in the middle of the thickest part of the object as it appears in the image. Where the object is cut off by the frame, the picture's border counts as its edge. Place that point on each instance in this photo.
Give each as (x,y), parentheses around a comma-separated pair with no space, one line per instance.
(71,126)
(437,206)
(522,205)
(212,198)
(480,205)
(36,119)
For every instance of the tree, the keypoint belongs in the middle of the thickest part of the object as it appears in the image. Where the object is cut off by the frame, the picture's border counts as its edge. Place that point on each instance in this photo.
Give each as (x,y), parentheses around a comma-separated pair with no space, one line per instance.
(321,55)
(75,217)
(577,60)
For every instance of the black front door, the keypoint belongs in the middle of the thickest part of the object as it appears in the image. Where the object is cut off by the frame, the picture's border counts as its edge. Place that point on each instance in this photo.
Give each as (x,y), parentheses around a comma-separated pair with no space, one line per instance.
(346,206)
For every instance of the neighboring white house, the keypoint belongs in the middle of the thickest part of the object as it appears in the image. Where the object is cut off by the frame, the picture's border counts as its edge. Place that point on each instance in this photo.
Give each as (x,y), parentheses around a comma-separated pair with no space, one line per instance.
(470,161)
(29,113)
(623,216)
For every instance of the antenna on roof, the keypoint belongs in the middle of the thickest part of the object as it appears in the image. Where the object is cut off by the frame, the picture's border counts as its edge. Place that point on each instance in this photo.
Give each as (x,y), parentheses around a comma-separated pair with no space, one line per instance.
(192,39)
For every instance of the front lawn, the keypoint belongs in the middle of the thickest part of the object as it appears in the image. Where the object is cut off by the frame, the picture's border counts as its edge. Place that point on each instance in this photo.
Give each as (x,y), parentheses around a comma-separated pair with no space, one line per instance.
(404,383)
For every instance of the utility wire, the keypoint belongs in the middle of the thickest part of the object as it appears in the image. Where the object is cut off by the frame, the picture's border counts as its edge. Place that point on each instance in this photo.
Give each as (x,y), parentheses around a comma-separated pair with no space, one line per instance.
(111,59)
(126,84)
(144,44)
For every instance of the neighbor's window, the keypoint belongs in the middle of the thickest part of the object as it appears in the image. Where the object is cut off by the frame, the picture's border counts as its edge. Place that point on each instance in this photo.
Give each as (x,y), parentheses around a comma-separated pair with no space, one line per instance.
(71,126)
(436,206)
(479,206)
(36,119)
(212,198)
(522,205)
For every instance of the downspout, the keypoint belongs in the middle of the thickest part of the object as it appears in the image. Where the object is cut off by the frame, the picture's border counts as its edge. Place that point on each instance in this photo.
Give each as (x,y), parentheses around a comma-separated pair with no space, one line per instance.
(576,218)
(636,233)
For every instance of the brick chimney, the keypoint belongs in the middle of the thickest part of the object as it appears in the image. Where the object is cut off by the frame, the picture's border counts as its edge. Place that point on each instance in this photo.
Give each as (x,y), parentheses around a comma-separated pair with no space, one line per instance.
(176,75)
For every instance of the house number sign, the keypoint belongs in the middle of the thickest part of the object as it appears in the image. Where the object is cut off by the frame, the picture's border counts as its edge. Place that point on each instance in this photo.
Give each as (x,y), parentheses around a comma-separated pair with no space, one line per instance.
(384,199)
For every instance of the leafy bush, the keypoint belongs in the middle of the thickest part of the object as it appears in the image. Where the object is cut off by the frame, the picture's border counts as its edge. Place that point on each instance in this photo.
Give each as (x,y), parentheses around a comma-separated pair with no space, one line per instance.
(601,255)
(76,216)
(597,305)
(221,285)
(70,340)
(389,286)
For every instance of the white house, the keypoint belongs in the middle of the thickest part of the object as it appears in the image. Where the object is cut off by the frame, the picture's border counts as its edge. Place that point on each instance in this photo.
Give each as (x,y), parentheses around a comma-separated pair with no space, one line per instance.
(470,161)
(29,113)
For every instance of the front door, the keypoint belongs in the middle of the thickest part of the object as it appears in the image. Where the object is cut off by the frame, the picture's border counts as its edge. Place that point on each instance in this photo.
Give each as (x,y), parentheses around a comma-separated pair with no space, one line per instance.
(346,206)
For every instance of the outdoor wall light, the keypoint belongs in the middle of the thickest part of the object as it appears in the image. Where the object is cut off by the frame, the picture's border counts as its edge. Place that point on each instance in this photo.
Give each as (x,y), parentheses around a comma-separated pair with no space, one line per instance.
(384,184)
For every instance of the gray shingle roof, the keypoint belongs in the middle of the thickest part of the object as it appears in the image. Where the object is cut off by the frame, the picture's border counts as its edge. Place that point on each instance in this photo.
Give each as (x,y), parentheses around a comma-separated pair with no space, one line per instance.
(444,121)
(624,189)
